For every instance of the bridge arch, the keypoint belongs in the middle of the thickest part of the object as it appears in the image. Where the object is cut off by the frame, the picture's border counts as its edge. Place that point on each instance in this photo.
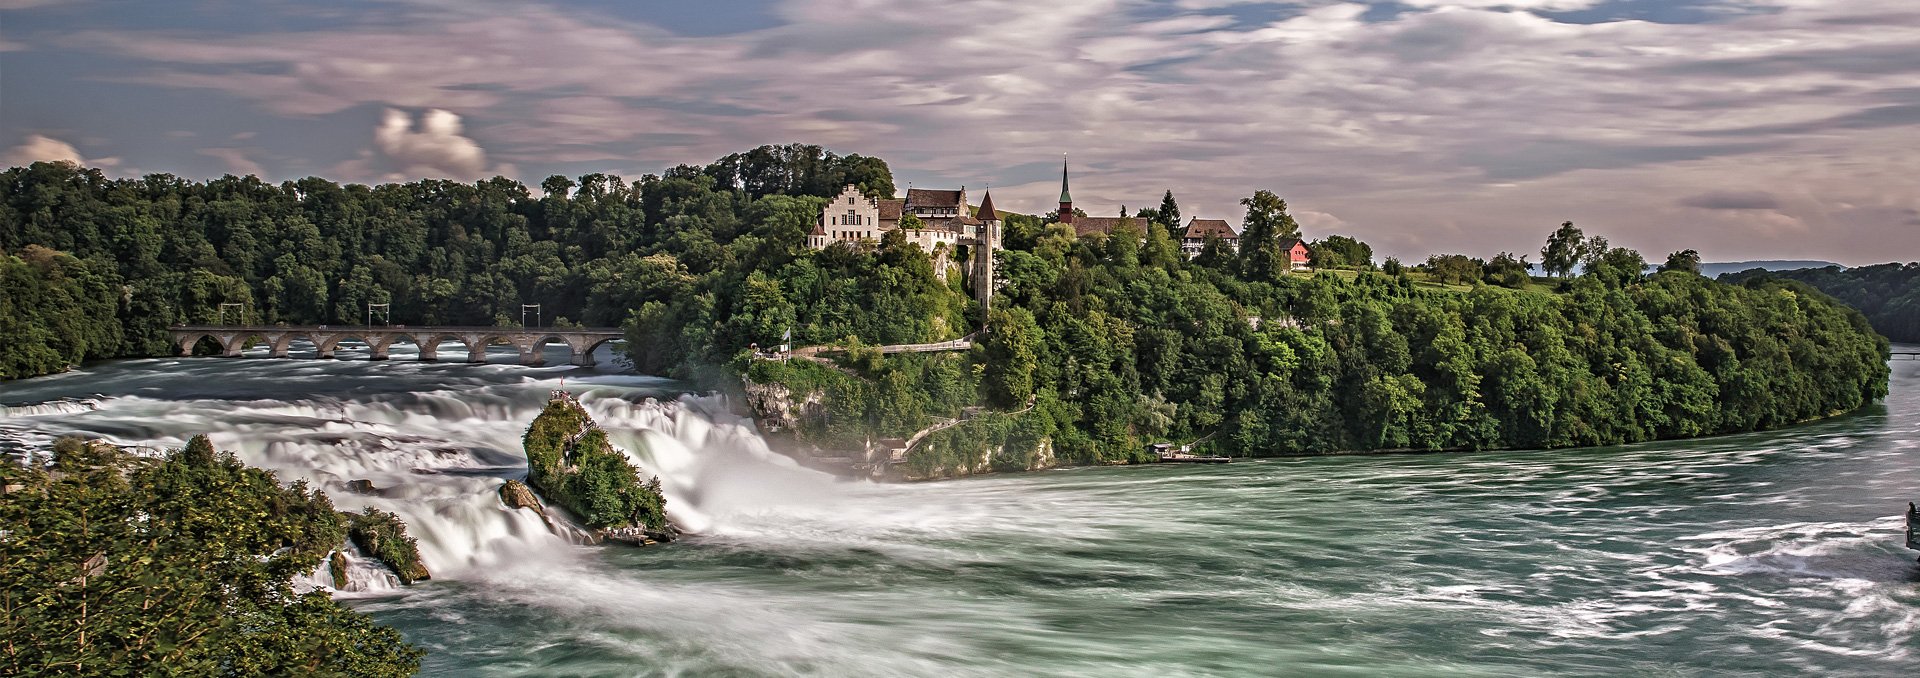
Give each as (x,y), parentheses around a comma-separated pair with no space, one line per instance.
(477,345)
(330,342)
(586,358)
(191,341)
(534,352)
(283,343)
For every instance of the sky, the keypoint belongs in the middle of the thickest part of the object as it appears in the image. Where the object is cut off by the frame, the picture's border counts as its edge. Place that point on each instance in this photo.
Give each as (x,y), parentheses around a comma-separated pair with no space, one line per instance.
(1745,129)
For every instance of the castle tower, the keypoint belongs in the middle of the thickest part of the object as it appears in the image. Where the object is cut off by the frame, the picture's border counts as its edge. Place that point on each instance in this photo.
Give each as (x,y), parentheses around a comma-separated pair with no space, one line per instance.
(987,242)
(1066,199)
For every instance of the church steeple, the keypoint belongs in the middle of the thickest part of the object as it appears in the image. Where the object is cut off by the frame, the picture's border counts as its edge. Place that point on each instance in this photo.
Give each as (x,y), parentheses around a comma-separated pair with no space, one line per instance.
(1066,198)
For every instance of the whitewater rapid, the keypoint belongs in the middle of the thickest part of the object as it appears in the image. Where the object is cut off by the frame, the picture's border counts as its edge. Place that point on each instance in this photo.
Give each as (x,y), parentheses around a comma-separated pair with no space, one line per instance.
(437,457)
(1765,554)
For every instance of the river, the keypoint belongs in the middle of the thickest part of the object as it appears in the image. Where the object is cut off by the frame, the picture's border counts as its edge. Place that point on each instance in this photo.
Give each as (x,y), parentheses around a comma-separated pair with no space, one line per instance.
(1765,554)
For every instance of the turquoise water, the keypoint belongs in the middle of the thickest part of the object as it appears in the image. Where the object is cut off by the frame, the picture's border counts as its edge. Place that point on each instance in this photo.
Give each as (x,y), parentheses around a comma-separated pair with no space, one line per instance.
(1764,554)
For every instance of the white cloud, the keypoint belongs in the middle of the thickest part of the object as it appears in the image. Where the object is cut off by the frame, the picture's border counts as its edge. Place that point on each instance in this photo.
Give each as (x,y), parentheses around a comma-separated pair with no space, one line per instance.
(434,148)
(236,160)
(42,148)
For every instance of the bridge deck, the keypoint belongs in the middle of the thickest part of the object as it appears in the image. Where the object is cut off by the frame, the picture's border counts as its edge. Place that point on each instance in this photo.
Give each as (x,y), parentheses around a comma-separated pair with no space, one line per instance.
(529,341)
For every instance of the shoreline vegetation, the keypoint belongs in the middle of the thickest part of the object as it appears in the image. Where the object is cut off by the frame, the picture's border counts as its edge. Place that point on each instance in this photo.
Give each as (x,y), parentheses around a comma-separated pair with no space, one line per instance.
(183,564)
(1095,344)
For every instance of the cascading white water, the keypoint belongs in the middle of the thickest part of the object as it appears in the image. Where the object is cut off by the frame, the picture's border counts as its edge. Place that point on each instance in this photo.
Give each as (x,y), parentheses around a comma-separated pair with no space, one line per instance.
(437,457)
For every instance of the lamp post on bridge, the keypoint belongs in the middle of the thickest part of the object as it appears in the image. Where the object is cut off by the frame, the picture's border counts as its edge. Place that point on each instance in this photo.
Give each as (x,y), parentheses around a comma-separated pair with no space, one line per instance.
(536,314)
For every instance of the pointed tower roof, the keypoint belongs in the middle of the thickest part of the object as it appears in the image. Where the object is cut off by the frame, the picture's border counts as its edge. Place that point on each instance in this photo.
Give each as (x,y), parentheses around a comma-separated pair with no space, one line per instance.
(1064,195)
(987,212)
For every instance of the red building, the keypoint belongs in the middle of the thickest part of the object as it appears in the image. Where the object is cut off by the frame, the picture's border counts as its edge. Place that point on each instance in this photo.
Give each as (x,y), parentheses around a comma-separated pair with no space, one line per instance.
(1297,253)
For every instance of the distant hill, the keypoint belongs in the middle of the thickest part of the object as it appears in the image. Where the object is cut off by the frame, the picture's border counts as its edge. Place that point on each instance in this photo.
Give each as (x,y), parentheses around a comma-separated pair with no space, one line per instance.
(1888,294)
(1718,268)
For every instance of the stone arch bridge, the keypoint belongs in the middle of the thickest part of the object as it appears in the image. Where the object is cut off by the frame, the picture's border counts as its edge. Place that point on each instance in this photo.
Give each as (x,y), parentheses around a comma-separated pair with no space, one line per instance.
(529,341)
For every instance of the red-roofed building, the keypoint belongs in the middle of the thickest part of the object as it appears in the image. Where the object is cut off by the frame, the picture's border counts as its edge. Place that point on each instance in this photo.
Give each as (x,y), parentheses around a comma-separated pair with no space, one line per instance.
(1194,240)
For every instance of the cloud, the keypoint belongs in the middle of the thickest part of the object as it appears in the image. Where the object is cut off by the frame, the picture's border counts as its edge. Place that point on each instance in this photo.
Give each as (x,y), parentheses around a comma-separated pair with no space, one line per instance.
(1732,200)
(1457,125)
(236,160)
(41,148)
(434,148)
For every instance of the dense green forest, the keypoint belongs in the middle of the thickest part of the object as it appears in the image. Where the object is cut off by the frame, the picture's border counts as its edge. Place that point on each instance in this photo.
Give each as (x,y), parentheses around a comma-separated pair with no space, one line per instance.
(1103,343)
(117,564)
(1118,342)
(92,267)
(1889,294)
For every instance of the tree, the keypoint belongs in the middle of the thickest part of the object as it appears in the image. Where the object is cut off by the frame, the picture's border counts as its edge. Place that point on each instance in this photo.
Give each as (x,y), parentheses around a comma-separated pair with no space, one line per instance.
(1562,251)
(175,566)
(1013,343)
(1507,270)
(1683,260)
(1169,212)
(1339,251)
(1454,269)
(1267,223)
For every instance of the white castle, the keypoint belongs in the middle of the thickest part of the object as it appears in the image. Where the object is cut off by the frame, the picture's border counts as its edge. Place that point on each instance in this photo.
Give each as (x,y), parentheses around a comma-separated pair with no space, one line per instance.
(945,223)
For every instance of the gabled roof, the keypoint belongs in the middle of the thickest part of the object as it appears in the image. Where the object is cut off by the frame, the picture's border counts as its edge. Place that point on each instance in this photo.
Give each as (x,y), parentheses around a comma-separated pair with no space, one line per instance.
(1199,229)
(928,197)
(1104,225)
(1288,243)
(987,212)
(890,209)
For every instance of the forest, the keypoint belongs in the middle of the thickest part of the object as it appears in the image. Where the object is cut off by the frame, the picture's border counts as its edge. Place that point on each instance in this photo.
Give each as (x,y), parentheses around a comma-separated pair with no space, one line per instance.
(1101,343)
(1889,294)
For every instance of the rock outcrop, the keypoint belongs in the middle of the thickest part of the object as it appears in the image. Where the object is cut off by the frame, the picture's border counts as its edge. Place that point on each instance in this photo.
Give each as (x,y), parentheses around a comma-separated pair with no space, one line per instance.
(516,495)
(571,464)
(383,536)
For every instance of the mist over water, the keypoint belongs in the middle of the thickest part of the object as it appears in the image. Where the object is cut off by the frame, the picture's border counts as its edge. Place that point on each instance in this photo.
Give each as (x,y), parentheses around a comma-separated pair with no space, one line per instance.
(1763,554)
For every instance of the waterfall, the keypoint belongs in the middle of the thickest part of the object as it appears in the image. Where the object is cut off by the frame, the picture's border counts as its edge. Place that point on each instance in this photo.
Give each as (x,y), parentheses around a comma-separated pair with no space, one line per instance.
(437,456)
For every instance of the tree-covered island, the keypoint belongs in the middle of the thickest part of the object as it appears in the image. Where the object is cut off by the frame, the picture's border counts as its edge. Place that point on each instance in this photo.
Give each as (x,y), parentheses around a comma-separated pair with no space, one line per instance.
(1103,334)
